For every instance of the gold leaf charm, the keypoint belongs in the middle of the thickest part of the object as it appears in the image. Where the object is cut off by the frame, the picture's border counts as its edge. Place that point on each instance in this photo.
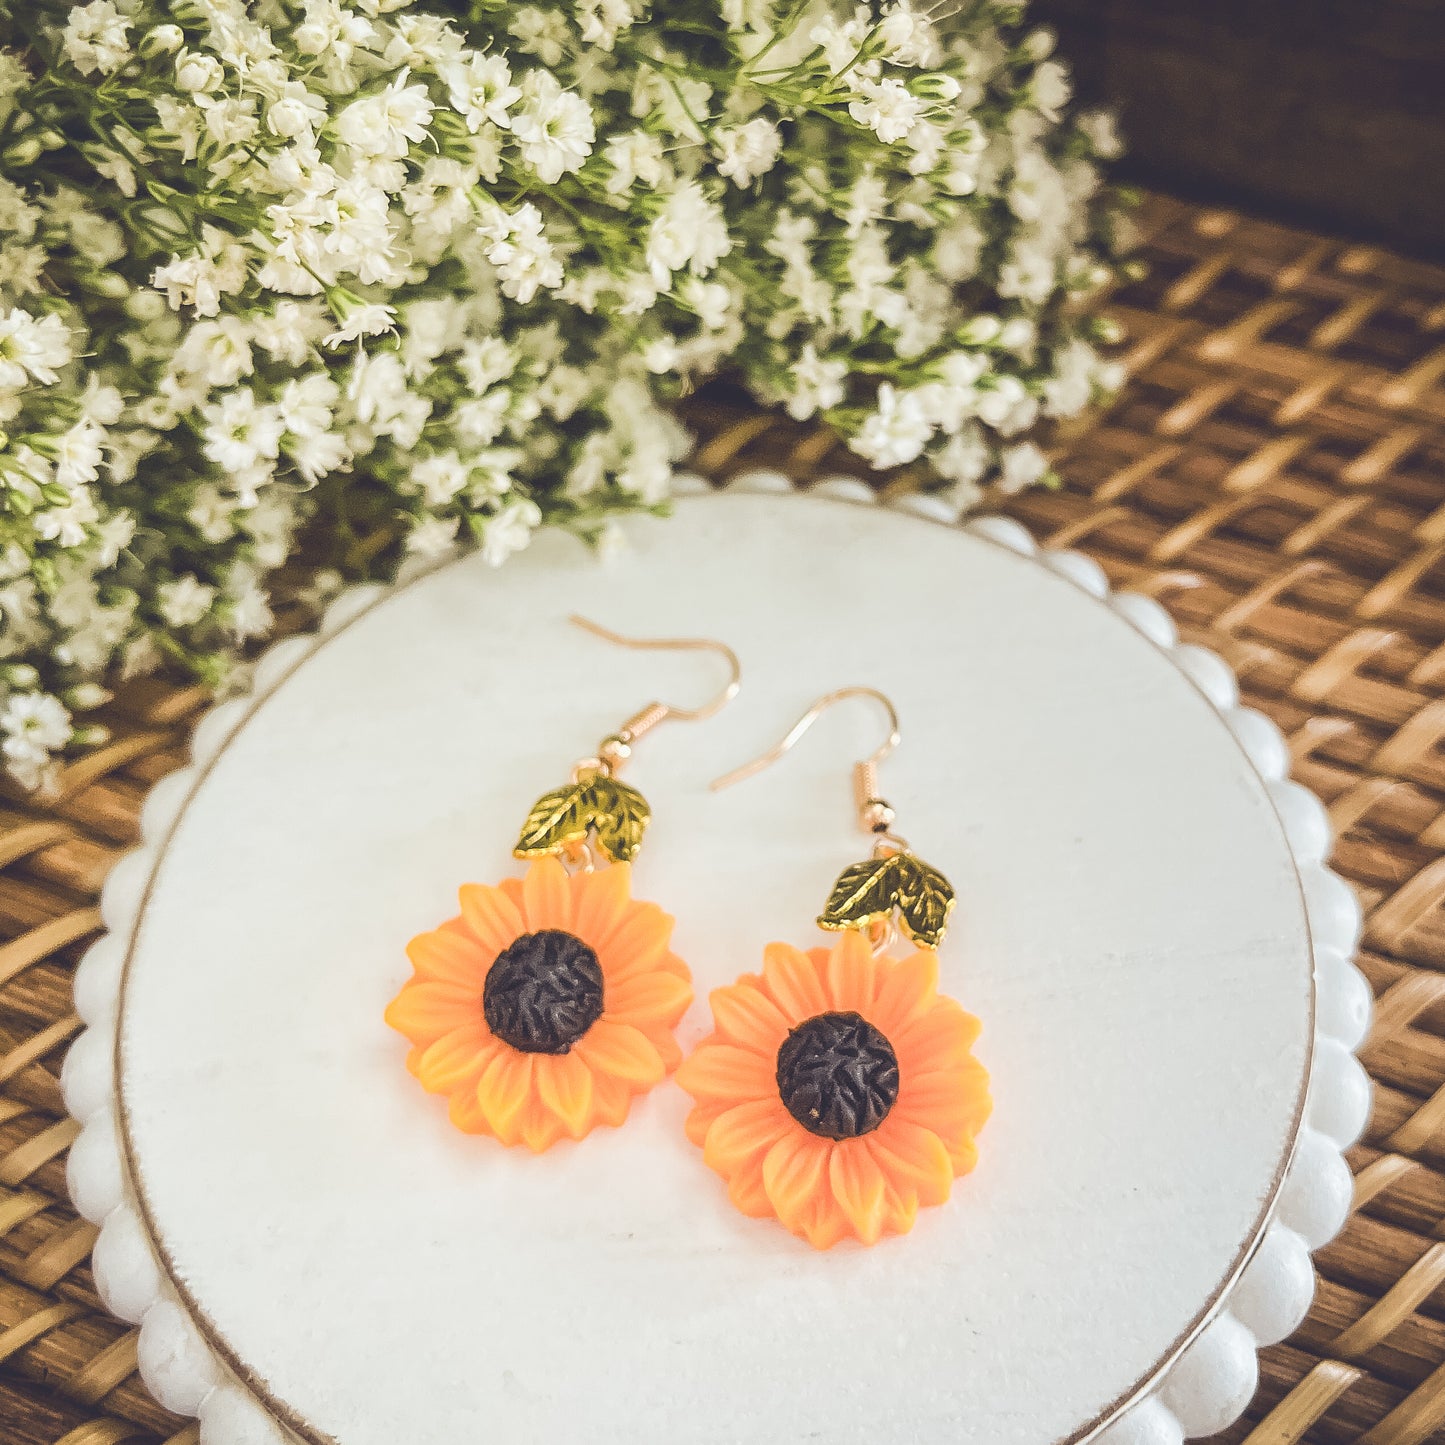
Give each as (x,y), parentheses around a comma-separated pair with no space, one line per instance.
(616,813)
(925,899)
(876,887)
(555,820)
(620,816)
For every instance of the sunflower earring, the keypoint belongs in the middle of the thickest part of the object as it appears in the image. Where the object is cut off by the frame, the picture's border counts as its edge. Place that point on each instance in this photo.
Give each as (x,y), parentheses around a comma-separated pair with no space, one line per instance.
(550,1001)
(838,1091)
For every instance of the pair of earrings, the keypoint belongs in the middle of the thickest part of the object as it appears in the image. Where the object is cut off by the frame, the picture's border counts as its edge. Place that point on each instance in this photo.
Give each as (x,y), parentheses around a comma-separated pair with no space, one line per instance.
(837,1092)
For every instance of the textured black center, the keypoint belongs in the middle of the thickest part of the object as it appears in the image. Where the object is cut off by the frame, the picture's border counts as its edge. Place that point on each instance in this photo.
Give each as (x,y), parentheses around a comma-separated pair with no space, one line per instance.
(837,1075)
(543,992)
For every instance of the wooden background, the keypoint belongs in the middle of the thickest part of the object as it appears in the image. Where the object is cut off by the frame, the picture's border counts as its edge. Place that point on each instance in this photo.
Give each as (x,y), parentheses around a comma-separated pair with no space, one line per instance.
(1328,113)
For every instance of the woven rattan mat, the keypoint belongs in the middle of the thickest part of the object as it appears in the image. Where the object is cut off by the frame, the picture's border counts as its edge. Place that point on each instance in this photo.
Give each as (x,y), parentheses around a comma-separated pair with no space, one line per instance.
(1275,474)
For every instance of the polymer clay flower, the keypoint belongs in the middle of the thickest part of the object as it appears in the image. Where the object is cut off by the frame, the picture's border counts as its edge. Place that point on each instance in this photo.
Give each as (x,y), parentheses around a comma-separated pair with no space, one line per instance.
(838,1091)
(546,1006)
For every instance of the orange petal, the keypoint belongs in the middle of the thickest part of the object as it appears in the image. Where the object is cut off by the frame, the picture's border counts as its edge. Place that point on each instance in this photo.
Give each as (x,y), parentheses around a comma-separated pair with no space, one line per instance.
(465,1111)
(850,974)
(424,1011)
(795,1169)
(859,1187)
(963,1156)
(648,998)
(456,1060)
(672,964)
(443,956)
(547,896)
(954,1103)
(907,988)
(490,916)
(747,1016)
(667,1047)
(637,945)
(724,1071)
(611,1099)
(824,1225)
(794,982)
(744,1135)
(622,1052)
(701,1118)
(913,1159)
(503,1091)
(745,1189)
(540,1128)
(564,1085)
(939,1039)
(599,901)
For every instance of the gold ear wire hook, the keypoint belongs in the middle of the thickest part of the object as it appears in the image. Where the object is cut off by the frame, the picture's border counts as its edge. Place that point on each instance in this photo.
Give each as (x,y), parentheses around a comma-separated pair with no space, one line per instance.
(874,815)
(618,746)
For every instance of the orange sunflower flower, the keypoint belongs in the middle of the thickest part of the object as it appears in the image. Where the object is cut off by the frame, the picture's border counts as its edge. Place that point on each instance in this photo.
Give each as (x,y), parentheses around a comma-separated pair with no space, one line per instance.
(838,1092)
(545,1006)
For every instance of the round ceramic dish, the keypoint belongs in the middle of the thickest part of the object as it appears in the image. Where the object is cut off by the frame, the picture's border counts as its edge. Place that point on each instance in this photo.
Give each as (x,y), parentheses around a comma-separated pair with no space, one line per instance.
(1145,926)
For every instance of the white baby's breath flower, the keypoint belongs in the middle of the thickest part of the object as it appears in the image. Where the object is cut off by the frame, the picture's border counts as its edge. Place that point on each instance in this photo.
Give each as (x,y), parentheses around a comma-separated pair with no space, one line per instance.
(362,318)
(36,717)
(510,530)
(1051,89)
(634,156)
(542,32)
(388,122)
(748,151)
(817,383)
(440,478)
(1099,129)
(480,88)
(601,21)
(241,431)
(896,432)
(907,37)
(522,254)
(887,108)
(1023,465)
(433,537)
(689,232)
(185,601)
(95,38)
(555,127)
(32,348)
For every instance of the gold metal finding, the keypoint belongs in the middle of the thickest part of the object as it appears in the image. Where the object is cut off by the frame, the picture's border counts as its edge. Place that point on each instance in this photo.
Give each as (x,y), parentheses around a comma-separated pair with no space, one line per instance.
(874,815)
(594,801)
(647,718)
(867,895)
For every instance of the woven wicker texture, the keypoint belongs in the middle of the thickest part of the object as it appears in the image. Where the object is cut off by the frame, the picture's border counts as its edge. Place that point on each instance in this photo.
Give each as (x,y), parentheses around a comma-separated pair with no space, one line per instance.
(1275,474)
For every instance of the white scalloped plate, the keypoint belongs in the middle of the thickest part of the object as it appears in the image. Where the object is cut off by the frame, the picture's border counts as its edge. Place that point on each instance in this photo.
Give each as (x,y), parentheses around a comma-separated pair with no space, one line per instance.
(1147,928)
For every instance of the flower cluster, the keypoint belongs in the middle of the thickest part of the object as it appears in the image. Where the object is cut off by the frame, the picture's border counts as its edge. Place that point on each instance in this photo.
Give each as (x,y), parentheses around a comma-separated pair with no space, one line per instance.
(425,275)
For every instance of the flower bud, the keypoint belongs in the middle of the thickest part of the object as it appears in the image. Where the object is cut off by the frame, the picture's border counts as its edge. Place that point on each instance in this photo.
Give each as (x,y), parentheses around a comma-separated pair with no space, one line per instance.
(980,330)
(288,118)
(163,40)
(107,283)
(939,87)
(1039,45)
(25,152)
(197,73)
(20,676)
(85,696)
(1018,334)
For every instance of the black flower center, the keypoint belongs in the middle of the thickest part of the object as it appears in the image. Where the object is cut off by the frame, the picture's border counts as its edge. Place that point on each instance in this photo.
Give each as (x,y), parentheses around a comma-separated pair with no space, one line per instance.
(543,992)
(837,1075)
